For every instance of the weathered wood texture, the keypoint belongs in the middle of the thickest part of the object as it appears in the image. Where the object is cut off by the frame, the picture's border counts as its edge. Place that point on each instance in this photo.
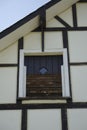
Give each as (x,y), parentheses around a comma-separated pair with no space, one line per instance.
(44,86)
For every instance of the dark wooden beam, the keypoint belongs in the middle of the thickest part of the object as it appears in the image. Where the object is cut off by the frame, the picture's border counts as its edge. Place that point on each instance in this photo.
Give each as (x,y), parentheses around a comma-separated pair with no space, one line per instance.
(42,25)
(78,63)
(43,18)
(24,120)
(82,1)
(8,65)
(74,13)
(62,29)
(42,38)
(62,21)
(72,105)
(64,119)
(65,40)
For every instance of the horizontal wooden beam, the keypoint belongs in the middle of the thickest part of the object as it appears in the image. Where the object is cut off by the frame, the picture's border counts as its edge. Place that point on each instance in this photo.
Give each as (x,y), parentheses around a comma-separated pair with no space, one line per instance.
(62,29)
(8,65)
(83,1)
(78,105)
(78,63)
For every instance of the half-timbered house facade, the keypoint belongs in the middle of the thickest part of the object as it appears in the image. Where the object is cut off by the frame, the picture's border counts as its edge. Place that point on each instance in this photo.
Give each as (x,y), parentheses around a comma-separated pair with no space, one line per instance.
(43,69)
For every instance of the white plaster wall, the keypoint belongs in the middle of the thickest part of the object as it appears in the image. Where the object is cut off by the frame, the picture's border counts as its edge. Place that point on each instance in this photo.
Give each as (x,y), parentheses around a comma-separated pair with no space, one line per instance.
(77,119)
(9,54)
(79,83)
(54,23)
(77,46)
(8,84)
(53,41)
(32,41)
(10,120)
(67,16)
(82,14)
(44,119)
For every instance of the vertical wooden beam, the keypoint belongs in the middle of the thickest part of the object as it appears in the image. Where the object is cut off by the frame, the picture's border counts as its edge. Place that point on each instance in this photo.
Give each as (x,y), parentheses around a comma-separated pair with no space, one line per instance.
(64,119)
(65,40)
(20,46)
(65,45)
(43,18)
(42,25)
(74,13)
(24,120)
(42,37)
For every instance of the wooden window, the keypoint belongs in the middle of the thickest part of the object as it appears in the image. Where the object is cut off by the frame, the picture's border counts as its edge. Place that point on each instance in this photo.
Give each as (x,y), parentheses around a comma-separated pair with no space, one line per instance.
(45,75)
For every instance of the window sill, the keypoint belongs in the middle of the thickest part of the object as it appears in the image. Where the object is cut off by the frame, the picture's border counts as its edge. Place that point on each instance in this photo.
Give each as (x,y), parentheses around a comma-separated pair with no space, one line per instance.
(59,100)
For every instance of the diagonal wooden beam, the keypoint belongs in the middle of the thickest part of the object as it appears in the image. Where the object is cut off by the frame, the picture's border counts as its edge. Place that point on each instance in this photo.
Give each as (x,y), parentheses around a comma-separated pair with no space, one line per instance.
(62,21)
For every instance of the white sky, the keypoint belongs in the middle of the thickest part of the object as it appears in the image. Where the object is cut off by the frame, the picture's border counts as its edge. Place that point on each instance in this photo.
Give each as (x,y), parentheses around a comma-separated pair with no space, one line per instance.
(12,11)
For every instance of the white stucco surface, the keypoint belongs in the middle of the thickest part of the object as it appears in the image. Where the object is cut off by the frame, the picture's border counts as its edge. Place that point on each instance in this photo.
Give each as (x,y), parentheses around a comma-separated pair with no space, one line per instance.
(44,119)
(53,41)
(79,83)
(77,46)
(82,14)
(8,84)
(9,54)
(10,120)
(77,119)
(32,41)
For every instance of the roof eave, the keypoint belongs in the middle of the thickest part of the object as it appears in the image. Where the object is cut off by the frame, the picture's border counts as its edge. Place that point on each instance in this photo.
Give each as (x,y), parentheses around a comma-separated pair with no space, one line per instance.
(28,23)
(27,18)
